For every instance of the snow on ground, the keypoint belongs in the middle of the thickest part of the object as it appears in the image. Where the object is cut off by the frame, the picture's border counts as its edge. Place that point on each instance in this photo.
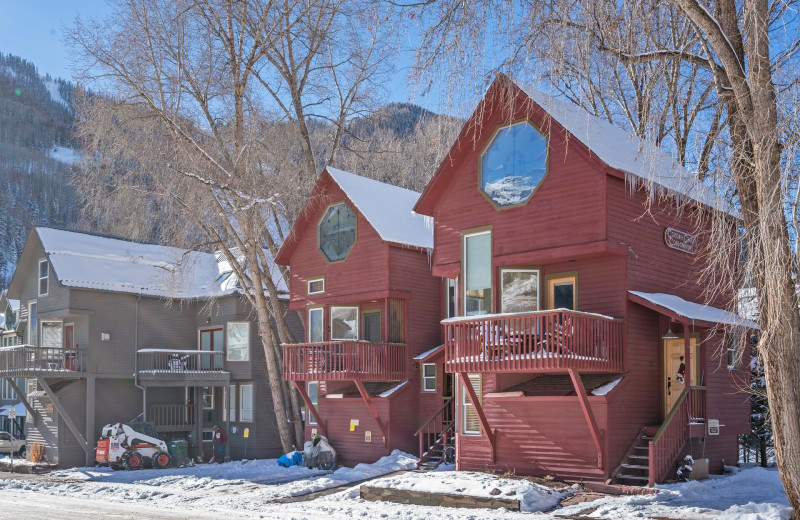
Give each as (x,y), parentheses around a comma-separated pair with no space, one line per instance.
(64,154)
(752,494)
(55,95)
(249,490)
(532,497)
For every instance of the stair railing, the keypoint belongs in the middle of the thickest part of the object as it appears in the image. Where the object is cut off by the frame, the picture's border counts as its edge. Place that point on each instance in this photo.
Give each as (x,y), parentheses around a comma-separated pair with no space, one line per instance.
(669,440)
(435,431)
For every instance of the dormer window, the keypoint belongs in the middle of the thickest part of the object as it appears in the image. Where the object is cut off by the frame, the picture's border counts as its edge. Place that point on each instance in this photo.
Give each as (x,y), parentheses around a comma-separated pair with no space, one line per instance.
(337,232)
(44,277)
(513,165)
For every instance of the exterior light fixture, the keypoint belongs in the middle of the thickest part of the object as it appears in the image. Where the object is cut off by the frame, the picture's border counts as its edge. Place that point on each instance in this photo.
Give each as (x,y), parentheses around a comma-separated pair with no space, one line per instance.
(670,335)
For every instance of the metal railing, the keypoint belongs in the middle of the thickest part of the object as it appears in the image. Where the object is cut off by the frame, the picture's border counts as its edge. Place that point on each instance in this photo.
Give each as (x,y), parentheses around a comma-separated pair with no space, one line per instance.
(345,360)
(668,442)
(541,341)
(30,360)
(165,361)
(172,417)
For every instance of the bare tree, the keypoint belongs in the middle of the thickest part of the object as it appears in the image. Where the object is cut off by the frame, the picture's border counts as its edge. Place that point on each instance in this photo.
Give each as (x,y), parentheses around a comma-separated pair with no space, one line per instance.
(204,124)
(719,77)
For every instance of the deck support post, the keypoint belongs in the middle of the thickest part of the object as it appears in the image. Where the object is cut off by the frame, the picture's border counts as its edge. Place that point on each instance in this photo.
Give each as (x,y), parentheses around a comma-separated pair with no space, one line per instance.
(473,398)
(22,397)
(301,389)
(90,407)
(580,391)
(373,411)
(687,356)
(64,415)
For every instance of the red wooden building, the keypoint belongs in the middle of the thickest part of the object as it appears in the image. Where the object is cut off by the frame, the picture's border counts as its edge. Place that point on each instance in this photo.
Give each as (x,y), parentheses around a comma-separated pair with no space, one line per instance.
(361,276)
(577,336)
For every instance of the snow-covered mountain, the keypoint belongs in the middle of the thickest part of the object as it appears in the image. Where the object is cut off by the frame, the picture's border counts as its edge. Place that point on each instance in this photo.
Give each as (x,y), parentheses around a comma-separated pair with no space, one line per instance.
(37,150)
(513,189)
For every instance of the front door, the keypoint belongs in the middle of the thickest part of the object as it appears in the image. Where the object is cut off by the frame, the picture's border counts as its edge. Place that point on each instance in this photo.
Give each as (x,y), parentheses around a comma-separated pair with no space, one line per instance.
(674,353)
(211,340)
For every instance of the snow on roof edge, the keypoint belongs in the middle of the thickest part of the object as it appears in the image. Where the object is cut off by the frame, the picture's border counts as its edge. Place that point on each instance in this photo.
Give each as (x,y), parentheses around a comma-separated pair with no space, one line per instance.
(696,311)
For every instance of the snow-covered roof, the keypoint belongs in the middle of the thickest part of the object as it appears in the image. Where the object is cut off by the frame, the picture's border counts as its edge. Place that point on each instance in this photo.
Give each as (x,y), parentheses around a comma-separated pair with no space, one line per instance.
(388,209)
(695,311)
(111,264)
(429,353)
(628,153)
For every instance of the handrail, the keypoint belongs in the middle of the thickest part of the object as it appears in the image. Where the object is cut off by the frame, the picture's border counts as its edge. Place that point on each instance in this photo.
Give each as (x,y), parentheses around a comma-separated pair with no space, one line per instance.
(670,416)
(434,416)
(343,360)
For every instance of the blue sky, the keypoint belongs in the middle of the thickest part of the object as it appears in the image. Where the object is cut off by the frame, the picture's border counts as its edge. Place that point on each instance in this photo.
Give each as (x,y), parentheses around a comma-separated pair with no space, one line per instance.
(33,29)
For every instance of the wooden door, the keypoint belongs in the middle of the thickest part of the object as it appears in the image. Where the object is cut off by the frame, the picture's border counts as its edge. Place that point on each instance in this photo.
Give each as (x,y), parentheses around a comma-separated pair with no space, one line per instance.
(674,350)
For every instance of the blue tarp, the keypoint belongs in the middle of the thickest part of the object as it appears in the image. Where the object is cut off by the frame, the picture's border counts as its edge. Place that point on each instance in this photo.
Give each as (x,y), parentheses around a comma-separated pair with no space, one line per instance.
(294,458)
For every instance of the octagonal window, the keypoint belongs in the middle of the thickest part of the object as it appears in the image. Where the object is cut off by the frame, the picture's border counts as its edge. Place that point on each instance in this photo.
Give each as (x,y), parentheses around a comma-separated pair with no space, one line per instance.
(513,164)
(337,232)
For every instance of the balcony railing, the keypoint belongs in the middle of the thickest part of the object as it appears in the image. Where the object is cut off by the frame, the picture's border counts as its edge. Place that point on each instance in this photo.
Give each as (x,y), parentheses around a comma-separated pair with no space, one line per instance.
(32,361)
(177,367)
(544,341)
(172,417)
(345,360)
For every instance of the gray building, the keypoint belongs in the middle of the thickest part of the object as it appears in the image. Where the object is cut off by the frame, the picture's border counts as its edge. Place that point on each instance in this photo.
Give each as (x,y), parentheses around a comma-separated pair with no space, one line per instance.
(120,331)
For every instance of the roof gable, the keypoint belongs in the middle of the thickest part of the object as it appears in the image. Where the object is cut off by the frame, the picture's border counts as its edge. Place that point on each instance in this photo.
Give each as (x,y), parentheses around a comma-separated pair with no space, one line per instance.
(628,154)
(387,208)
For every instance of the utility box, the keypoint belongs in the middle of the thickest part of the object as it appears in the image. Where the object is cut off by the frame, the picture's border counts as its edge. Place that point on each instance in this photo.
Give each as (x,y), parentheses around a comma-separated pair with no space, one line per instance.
(713,426)
(699,469)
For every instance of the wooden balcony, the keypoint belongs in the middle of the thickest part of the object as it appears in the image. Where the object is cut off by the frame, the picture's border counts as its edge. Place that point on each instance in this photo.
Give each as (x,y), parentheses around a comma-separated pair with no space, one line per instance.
(32,361)
(345,361)
(544,341)
(172,417)
(177,367)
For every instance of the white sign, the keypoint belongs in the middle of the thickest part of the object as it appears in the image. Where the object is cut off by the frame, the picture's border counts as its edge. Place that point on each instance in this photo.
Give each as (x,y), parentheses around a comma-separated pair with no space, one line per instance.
(713,426)
(12,413)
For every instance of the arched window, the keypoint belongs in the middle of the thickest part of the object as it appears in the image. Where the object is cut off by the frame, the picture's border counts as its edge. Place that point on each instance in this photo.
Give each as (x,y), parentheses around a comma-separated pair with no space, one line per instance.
(513,165)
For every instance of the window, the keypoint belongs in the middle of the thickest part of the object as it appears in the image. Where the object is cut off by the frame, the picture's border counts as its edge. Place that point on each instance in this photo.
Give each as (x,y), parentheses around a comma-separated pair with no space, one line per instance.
(372,326)
(33,323)
(513,165)
(312,387)
(337,232)
(316,286)
(231,405)
(246,403)
(207,397)
(315,327)
(562,292)
(344,323)
(44,277)
(238,341)
(478,273)
(429,377)
(450,297)
(519,290)
(208,435)
(211,340)
(471,424)
(52,334)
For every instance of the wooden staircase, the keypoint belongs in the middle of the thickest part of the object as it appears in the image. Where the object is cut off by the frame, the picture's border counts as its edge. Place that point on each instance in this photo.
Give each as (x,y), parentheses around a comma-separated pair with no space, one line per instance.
(634,470)
(436,438)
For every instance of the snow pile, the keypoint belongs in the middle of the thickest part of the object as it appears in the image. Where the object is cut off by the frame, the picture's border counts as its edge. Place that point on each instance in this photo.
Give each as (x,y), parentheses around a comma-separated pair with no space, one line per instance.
(64,154)
(753,494)
(532,497)
(606,388)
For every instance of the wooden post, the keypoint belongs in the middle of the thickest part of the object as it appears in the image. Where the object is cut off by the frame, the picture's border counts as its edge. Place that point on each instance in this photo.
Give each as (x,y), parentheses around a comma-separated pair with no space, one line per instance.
(226,396)
(90,410)
(687,356)
(373,411)
(588,414)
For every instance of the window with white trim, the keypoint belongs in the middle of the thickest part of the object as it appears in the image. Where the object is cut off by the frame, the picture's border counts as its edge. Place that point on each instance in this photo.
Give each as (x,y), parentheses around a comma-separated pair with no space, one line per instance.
(478,273)
(429,377)
(316,286)
(315,325)
(246,402)
(231,404)
(208,435)
(238,341)
(44,277)
(312,388)
(344,323)
(207,397)
(470,425)
(33,323)
(52,334)
(450,297)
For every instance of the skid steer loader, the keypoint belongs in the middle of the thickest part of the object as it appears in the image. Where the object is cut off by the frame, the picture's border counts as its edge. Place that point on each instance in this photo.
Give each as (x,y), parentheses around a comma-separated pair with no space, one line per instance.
(120,446)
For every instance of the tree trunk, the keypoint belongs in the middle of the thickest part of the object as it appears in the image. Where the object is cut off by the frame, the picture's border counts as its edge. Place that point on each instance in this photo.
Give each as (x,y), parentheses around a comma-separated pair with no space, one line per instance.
(762,449)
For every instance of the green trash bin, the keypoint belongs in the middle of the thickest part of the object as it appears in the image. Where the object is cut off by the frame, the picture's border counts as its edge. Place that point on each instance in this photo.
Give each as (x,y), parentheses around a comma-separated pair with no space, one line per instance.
(179,448)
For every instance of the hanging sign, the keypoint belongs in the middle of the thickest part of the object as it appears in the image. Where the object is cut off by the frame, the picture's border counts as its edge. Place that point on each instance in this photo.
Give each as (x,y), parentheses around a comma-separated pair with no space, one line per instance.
(680,240)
